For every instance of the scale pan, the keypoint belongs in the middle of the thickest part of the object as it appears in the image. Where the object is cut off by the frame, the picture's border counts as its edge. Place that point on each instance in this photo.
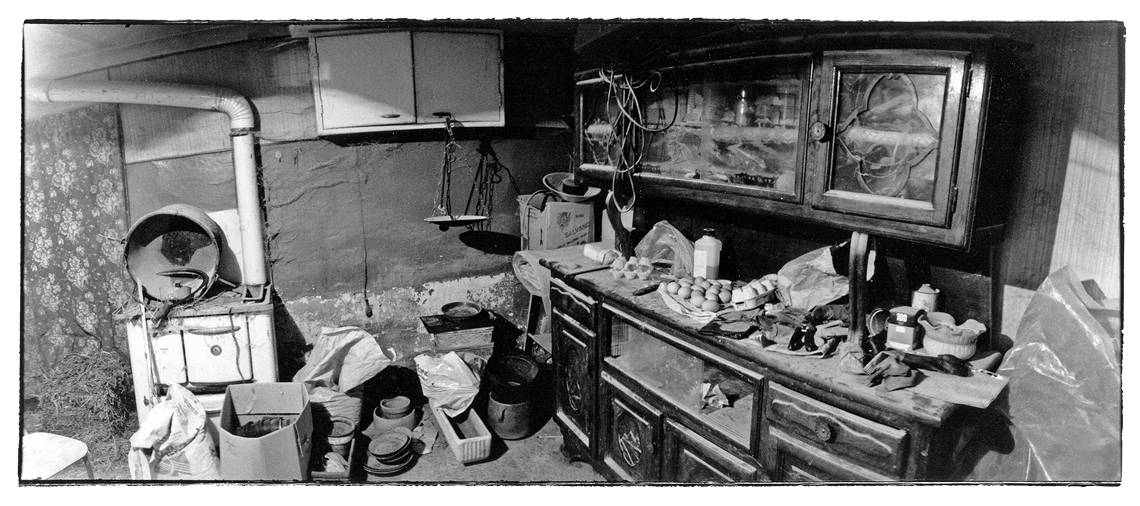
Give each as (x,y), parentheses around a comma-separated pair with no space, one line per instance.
(445,222)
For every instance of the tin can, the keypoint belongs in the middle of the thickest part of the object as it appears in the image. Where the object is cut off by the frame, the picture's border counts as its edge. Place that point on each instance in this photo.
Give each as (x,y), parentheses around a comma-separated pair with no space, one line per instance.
(925,298)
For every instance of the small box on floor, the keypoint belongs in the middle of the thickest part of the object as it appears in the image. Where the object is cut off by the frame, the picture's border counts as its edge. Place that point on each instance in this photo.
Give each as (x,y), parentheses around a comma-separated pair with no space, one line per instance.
(266,432)
(448,334)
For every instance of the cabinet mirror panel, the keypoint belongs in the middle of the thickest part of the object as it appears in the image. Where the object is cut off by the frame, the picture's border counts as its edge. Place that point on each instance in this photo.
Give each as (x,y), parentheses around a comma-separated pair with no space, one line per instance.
(706,390)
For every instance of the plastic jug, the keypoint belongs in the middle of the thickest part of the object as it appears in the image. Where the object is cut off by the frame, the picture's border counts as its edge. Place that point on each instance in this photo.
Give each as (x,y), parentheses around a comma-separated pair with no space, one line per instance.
(706,256)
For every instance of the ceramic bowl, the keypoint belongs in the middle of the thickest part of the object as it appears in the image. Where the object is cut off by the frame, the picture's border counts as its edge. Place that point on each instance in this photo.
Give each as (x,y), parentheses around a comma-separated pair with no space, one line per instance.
(395,407)
(943,337)
(408,421)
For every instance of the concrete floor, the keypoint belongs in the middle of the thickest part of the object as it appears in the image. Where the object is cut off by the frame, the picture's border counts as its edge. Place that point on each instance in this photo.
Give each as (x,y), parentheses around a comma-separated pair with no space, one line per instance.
(534,459)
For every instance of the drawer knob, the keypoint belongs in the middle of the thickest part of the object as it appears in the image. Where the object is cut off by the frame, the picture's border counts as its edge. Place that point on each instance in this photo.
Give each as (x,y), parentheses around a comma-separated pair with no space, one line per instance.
(819,131)
(824,431)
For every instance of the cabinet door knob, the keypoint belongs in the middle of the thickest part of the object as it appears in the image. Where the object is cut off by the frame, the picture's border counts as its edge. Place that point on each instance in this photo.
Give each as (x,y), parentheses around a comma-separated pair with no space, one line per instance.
(389,116)
(823,431)
(819,132)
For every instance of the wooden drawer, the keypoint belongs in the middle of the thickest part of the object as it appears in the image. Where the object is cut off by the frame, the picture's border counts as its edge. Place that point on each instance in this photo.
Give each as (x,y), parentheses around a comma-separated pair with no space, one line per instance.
(574,372)
(837,432)
(573,326)
(573,303)
(690,458)
(633,429)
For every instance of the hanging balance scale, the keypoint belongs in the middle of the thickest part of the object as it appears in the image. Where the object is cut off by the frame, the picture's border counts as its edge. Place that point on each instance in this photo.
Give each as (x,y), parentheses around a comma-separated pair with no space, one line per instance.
(441,214)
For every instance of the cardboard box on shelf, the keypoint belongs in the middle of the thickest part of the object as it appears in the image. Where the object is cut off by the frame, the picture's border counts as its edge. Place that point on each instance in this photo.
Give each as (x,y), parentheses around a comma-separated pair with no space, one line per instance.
(556,225)
(282,455)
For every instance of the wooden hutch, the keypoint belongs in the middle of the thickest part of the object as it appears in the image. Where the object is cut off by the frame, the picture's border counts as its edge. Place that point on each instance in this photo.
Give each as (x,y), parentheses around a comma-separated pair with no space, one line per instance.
(896,134)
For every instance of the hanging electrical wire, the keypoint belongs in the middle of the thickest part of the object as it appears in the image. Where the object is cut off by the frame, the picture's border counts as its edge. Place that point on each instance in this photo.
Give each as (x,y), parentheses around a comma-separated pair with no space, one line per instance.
(629,126)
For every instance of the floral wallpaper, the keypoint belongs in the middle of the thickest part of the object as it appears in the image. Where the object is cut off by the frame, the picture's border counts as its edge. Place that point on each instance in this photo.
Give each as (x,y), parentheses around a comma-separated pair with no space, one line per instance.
(74,216)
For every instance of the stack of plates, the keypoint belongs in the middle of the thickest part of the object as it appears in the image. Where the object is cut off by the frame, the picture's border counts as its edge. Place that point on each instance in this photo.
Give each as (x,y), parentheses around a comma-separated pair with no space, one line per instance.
(390,453)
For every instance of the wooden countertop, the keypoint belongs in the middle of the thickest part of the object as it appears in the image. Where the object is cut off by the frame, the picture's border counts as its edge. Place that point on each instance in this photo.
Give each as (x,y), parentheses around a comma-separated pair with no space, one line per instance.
(806,372)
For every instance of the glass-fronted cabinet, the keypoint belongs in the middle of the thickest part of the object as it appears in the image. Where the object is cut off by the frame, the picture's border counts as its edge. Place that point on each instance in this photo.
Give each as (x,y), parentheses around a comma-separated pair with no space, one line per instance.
(894,121)
(731,127)
(714,393)
(883,141)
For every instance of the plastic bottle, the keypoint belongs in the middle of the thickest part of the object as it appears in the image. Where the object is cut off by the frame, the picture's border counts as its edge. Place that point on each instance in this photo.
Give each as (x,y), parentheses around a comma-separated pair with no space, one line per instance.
(742,109)
(706,256)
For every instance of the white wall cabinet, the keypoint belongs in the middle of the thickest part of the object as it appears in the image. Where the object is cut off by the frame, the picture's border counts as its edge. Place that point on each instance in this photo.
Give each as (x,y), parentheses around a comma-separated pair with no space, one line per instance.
(398,80)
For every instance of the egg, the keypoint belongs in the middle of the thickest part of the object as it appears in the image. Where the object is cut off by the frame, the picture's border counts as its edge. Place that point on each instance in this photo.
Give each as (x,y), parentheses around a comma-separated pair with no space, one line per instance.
(698,280)
(704,284)
(684,292)
(686,280)
(725,297)
(712,293)
(697,300)
(672,287)
(710,305)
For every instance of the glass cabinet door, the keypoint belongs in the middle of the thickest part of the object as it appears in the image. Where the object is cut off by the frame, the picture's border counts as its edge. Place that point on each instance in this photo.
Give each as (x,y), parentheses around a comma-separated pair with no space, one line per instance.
(732,127)
(889,132)
(711,392)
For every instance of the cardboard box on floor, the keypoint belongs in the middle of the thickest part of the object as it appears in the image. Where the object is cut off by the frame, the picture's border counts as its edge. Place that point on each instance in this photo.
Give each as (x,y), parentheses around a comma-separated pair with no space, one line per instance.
(558,224)
(282,455)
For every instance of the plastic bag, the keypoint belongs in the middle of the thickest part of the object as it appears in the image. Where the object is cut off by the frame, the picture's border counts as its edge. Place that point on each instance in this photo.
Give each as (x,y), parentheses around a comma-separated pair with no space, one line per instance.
(1064,405)
(811,280)
(666,243)
(173,443)
(342,359)
(447,382)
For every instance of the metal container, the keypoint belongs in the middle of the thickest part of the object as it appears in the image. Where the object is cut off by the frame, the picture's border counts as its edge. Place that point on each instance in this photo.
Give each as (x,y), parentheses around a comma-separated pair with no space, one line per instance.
(925,298)
(174,253)
(509,421)
(903,331)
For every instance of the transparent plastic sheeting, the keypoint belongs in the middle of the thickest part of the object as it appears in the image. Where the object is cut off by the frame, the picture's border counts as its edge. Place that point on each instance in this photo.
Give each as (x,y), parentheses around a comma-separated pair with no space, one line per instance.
(665,242)
(1064,405)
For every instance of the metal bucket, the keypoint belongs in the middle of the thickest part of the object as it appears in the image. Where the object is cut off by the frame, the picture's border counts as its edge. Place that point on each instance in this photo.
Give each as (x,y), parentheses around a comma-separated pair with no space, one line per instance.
(509,421)
(174,253)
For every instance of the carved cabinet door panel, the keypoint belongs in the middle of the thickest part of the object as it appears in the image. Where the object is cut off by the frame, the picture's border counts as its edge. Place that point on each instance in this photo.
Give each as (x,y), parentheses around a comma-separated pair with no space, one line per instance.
(690,458)
(632,434)
(574,367)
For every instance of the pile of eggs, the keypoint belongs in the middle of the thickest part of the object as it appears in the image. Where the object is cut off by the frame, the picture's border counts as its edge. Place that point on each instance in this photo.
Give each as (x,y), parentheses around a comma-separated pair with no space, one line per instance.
(631,268)
(716,294)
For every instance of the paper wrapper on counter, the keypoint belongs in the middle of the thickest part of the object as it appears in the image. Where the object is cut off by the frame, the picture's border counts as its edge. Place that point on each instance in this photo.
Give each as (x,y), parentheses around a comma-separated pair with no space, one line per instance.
(810,279)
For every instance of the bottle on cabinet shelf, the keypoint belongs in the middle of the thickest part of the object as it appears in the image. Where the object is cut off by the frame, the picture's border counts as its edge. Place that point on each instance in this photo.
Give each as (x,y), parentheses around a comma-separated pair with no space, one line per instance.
(706,255)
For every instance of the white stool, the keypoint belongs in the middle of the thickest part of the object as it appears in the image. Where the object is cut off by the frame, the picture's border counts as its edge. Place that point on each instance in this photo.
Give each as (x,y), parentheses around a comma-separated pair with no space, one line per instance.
(45,455)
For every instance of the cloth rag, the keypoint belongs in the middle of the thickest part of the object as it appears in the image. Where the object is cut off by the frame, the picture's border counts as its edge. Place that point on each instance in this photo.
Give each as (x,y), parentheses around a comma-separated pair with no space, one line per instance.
(888,372)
